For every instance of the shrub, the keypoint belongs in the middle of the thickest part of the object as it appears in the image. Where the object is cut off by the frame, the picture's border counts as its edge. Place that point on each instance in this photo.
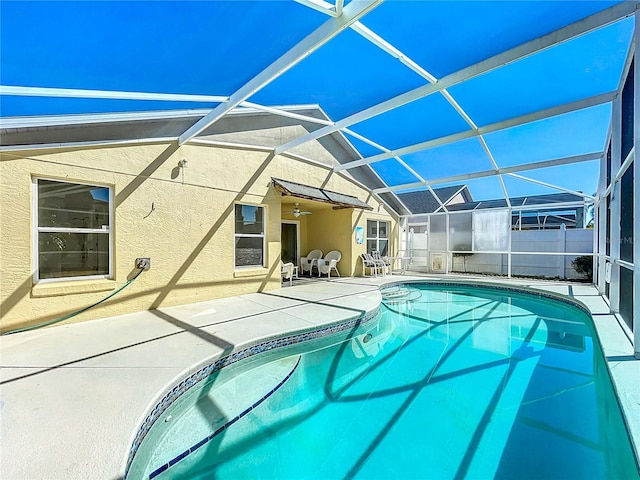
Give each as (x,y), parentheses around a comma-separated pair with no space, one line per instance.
(584,266)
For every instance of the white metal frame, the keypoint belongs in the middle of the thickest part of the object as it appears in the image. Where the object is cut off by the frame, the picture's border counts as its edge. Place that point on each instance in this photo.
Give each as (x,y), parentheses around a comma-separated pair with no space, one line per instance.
(391,50)
(550,185)
(567,33)
(403,58)
(106,94)
(351,13)
(37,229)
(504,171)
(613,191)
(616,147)
(509,252)
(443,205)
(349,18)
(494,127)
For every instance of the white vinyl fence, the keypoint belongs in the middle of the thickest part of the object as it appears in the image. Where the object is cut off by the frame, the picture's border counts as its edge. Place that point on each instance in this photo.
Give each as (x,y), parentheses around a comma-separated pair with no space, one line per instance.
(545,260)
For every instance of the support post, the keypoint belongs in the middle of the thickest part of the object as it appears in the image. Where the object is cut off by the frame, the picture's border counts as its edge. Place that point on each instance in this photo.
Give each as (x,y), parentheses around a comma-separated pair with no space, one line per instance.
(562,247)
(446,270)
(614,237)
(600,246)
(600,214)
(509,258)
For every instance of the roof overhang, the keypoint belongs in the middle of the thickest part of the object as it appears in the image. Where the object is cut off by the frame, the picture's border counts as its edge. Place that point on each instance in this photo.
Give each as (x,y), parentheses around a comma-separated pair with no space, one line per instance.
(338,200)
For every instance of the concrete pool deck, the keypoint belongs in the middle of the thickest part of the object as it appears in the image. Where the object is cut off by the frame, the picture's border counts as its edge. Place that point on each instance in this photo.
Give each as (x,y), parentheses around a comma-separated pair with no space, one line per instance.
(73,396)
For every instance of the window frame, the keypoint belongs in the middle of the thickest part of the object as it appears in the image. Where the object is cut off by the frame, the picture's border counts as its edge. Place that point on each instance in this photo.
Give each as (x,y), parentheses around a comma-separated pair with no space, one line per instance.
(37,229)
(377,238)
(263,235)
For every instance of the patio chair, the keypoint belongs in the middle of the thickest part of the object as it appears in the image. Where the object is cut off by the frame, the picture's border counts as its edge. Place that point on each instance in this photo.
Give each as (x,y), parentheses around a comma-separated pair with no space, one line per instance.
(383,261)
(287,271)
(311,260)
(329,262)
(371,264)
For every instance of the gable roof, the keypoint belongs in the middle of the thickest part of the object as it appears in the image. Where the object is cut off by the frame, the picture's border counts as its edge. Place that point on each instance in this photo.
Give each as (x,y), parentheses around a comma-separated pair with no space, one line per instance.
(424,201)
(250,128)
(532,200)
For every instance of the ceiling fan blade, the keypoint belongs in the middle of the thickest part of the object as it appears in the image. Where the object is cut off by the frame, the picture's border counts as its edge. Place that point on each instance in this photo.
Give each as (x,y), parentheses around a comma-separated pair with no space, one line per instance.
(296,211)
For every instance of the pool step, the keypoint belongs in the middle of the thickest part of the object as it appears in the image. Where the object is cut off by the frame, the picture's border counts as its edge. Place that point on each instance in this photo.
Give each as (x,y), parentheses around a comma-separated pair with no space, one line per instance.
(396,295)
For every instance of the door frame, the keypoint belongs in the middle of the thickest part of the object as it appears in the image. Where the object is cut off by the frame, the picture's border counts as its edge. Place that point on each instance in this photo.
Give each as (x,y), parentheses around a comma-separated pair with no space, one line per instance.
(297,224)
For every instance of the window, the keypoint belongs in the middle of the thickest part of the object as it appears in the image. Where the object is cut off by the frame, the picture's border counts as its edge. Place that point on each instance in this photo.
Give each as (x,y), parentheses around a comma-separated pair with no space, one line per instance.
(249,236)
(377,236)
(73,230)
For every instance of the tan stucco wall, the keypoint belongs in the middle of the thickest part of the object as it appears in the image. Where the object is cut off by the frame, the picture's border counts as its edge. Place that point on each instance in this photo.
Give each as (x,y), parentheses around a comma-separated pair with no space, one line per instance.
(189,235)
(331,230)
(381,214)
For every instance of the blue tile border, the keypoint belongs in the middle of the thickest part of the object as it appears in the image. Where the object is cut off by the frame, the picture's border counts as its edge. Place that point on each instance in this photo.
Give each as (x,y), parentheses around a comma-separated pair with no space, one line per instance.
(202,442)
(205,372)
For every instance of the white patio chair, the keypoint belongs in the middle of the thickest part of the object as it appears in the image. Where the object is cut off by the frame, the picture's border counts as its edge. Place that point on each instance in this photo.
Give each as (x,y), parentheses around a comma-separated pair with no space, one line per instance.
(371,264)
(329,262)
(287,271)
(382,261)
(307,263)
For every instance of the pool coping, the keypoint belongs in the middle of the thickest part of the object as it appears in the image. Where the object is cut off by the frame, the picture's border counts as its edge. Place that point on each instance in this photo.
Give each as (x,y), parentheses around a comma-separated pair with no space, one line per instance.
(39,450)
(212,366)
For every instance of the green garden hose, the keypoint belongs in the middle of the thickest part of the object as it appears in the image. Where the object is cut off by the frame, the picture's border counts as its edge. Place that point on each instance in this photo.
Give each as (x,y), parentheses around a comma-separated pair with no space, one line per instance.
(71,315)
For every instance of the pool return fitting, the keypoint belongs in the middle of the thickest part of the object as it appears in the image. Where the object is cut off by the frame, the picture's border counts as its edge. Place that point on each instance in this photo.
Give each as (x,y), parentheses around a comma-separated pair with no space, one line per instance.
(141,263)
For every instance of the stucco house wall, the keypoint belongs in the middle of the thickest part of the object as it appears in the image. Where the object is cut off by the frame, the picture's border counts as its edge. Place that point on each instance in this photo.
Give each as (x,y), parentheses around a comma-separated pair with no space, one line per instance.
(182,218)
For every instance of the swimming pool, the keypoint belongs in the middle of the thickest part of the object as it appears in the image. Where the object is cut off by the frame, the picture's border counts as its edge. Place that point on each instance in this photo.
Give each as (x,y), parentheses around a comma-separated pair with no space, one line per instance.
(448,382)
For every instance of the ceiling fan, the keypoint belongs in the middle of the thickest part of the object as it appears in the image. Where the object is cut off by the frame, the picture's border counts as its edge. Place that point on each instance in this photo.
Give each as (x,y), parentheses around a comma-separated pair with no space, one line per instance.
(296,211)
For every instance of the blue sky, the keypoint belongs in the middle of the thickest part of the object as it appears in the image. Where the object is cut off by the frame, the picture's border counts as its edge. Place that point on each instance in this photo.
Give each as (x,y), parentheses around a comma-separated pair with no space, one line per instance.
(214,48)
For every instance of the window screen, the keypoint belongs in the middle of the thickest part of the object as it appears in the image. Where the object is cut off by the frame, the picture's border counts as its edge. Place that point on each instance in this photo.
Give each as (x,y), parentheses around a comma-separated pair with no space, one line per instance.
(73,230)
(249,236)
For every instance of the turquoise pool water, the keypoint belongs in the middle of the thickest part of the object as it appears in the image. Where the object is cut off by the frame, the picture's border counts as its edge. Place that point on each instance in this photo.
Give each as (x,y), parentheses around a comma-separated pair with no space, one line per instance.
(450,382)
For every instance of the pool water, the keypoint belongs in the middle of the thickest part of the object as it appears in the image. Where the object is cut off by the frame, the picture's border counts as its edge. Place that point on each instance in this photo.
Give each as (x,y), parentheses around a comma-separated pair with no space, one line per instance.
(450,382)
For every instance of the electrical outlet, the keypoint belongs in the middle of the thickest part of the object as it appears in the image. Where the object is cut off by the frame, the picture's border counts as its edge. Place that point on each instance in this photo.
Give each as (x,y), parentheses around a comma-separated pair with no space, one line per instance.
(143,263)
